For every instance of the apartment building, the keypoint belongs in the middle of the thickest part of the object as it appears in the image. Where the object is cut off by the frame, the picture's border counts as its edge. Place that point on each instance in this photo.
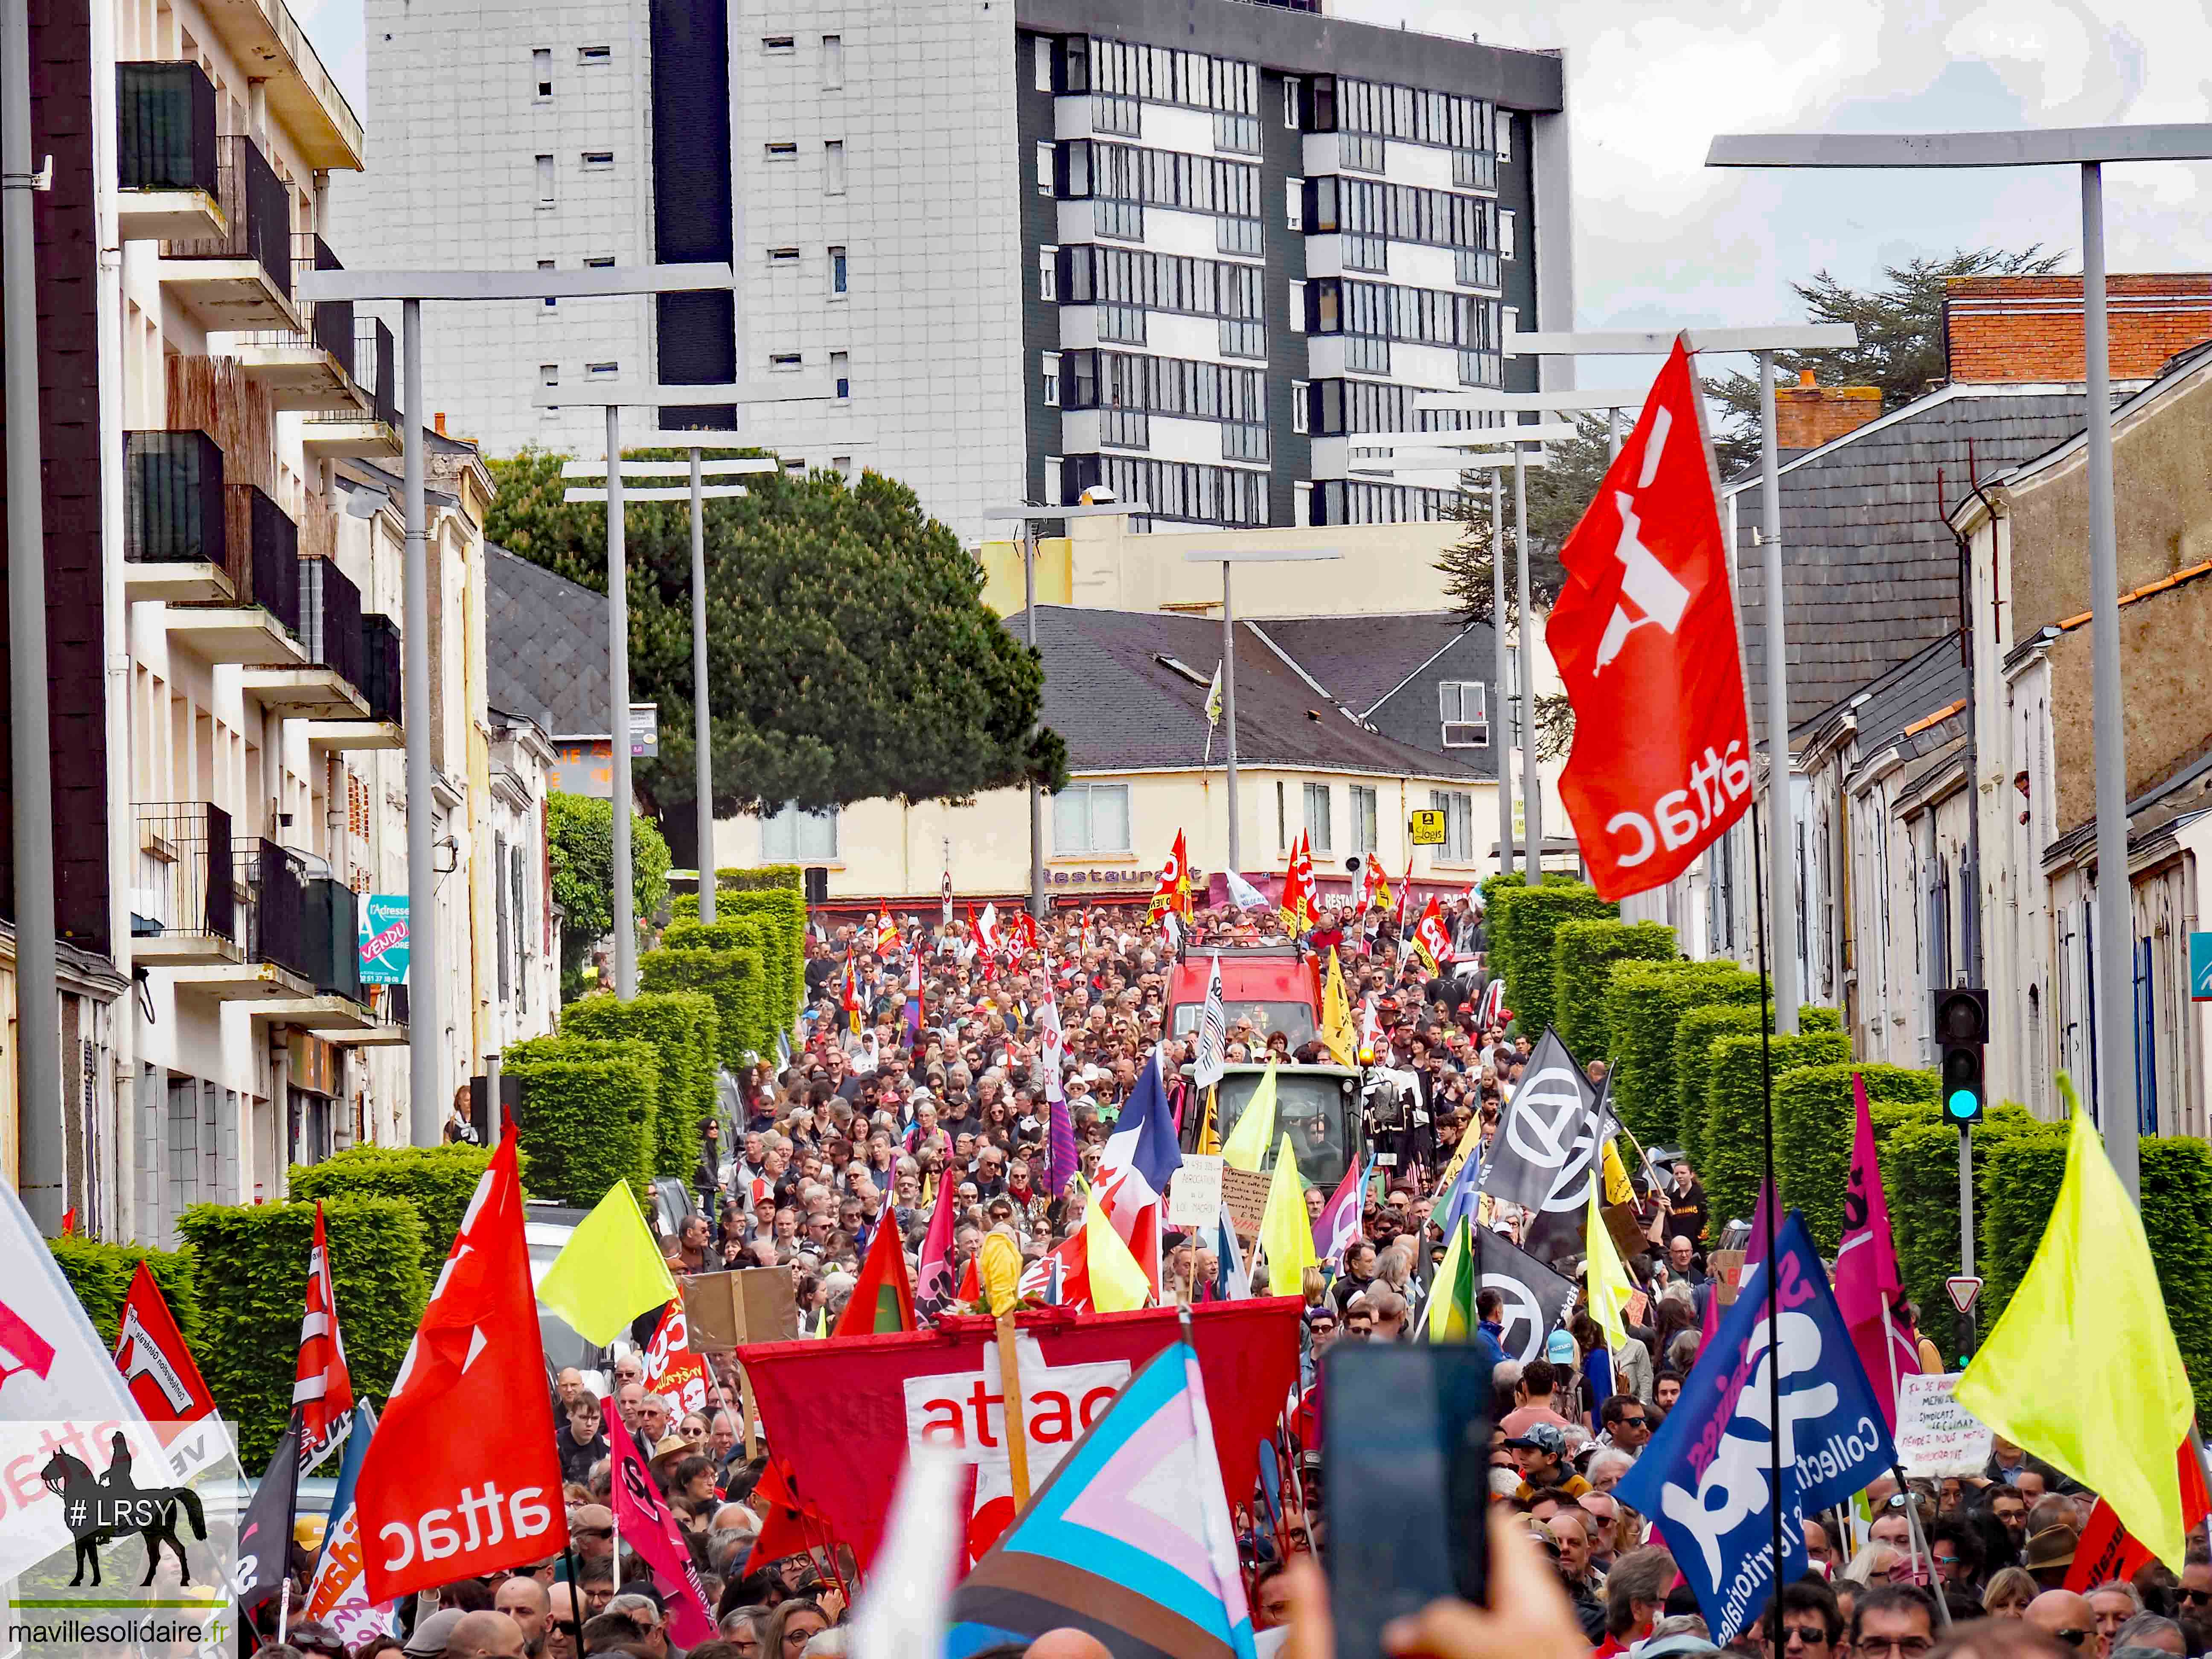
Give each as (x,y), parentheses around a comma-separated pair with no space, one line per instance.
(1184,250)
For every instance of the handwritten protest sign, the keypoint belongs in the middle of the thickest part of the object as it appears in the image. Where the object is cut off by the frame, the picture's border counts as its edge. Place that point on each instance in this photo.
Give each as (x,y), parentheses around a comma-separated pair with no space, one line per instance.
(1936,1435)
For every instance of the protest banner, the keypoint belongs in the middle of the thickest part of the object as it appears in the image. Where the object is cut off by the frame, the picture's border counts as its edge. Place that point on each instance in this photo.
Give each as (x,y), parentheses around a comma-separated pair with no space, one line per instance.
(1936,1435)
(1194,1191)
(1245,1193)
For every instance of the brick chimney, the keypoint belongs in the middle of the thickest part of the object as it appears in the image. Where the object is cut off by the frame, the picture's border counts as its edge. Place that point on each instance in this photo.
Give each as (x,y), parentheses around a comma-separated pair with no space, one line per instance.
(2019,328)
(1808,415)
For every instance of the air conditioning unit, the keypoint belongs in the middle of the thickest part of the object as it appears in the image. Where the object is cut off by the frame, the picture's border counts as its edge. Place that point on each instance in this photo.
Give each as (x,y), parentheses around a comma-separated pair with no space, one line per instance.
(1466,734)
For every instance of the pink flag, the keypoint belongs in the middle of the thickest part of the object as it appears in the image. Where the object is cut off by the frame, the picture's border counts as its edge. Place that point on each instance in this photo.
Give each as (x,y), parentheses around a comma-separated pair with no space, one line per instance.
(644,1524)
(1870,1293)
(1755,1252)
(932,1284)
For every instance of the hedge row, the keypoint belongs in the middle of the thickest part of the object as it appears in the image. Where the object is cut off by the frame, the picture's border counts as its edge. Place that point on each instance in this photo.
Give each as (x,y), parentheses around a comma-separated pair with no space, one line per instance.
(251,1271)
(588,1118)
(101,1274)
(787,878)
(780,912)
(733,978)
(1646,1001)
(1523,923)
(1735,1109)
(684,1031)
(1583,954)
(438,1182)
(1814,1112)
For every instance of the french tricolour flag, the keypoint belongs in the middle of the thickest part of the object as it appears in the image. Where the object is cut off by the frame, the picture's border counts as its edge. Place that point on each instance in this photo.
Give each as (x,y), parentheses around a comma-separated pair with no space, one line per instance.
(1337,1227)
(1140,1156)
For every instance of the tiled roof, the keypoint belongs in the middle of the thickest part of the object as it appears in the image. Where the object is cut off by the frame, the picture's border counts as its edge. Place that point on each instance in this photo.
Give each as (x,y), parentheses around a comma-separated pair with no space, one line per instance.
(1364,659)
(546,647)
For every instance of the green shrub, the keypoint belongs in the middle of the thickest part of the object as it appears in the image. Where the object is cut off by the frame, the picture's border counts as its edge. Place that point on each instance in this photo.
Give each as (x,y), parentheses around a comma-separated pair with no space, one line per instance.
(1648,1000)
(1522,923)
(1812,1016)
(734,979)
(101,1274)
(1919,1153)
(2176,1211)
(1735,1107)
(251,1267)
(1693,1063)
(437,1181)
(767,878)
(781,915)
(682,1029)
(1814,1118)
(587,1117)
(1583,953)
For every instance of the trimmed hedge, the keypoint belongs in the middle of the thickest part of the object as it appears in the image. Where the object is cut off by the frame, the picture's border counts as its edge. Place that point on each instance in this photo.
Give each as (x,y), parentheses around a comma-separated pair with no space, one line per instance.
(1647,1000)
(588,1112)
(1735,1107)
(437,1181)
(684,1031)
(781,914)
(1694,1033)
(251,1267)
(101,1274)
(732,978)
(2177,1210)
(1583,953)
(1523,922)
(1813,1115)
(767,878)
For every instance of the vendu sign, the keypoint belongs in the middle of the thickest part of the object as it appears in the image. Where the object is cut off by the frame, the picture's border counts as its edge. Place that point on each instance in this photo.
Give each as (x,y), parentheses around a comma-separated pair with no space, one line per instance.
(384,939)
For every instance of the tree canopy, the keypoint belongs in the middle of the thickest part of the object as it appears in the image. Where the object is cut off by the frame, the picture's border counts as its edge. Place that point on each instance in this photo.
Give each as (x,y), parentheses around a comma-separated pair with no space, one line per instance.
(849,651)
(579,836)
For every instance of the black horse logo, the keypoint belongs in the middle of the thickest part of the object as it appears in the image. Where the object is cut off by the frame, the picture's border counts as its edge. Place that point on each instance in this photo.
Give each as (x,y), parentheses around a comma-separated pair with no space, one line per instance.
(97,1510)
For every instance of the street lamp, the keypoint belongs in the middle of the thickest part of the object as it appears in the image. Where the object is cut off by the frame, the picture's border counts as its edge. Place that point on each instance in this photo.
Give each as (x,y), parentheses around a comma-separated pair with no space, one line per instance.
(1029,517)
(1242,556)
(2088,149)
(613,397)
(1765,342)
(425,1087)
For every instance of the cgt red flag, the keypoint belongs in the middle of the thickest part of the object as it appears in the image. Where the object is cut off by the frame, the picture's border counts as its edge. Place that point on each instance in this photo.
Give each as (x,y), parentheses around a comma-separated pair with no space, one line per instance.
(322,1388)
(150,1352)
(1646,639)
(463,1478)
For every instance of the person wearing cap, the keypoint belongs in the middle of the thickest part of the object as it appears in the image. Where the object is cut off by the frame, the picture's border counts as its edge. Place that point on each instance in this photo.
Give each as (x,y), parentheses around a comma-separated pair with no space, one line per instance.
(1540,1449)
(431,1635)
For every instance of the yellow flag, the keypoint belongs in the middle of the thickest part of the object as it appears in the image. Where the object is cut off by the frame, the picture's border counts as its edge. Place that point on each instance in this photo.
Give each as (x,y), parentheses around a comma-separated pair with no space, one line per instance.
(1286,1230)
(1468,1141)
(1248,1143)
(1611,1290)
(609,1272)
(1209,1127)
(1450,1316)
(2082,1371)
(1117,1283)
(1617,1188)
(1337,1034)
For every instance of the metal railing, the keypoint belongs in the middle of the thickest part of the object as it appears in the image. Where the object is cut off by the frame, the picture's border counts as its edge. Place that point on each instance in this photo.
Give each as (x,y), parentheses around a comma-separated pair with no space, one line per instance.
(182,883)
(164,127)
(275,880)
(330,322)
(262,554)
(381,666)
(173,499)
(374,367)
(331,620)
(258,209)
(333,938)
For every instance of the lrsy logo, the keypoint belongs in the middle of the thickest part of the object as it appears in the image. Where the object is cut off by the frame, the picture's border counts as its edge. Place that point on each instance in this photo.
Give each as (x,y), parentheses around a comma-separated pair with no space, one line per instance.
(98,1509)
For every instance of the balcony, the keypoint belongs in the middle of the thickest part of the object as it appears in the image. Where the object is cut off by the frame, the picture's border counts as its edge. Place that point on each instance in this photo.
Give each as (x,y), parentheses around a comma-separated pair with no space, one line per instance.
(381,666)
(165,154)
(311,367)
(329,950)
(351,431)
(328,685)
(240,278)
(183,905)
(258,621)
(172,536)
(380,1022)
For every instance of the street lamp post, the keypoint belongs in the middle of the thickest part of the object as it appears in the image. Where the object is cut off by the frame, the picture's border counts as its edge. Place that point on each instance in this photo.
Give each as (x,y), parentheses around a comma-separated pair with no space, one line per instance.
(1029,517)
(425,1084)
(2088,149)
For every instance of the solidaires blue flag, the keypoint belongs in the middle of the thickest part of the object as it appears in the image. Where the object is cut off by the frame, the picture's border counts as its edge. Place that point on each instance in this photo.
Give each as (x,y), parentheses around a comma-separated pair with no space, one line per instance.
(1706,1479)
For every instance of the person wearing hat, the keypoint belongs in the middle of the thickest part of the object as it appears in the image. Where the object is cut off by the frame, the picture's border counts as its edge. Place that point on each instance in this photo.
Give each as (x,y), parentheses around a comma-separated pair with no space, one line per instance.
(1540,1449)
(2049,1553)
(432,1634)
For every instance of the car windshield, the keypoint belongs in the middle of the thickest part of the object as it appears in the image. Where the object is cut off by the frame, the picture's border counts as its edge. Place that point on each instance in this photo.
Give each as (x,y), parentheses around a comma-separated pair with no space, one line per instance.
(1268,1018)
(1312,1108)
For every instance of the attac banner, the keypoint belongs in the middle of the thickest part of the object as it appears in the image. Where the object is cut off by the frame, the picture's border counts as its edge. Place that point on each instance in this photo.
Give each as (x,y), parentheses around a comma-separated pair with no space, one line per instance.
(843,1411)
(1646,639)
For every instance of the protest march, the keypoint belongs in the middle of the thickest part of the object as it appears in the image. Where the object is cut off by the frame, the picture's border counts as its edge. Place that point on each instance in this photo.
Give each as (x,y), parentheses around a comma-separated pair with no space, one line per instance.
(1027,1301)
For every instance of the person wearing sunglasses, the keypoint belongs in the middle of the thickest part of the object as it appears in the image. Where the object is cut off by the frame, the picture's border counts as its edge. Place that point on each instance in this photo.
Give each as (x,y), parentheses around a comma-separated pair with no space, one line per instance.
(1893,1621)
(2195,1594)
(1627,1425)
(2066,1617)
(1803,1622)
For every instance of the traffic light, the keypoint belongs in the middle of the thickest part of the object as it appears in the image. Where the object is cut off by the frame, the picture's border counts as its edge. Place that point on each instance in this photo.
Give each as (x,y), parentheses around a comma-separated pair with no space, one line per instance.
(1962,1029)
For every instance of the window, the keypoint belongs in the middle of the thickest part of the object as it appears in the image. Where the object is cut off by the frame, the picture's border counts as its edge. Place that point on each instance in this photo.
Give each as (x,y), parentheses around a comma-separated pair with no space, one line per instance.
(1049,274)
(547,264)
(1505,137)
(588,56)
(603,262)
(1282,819)
(833,168)
(1508,321)
(791,837)
(841,370)
(1290,102)
(1464,706)
(1301,395)
(603,371)
(1505,240)
(545,182)
(1091,817)
(1319,838)
(783,256)
(1044,63)
(1294,203)
(837,272)
(541,70)
(843,464)
(1044,155)
(784,362)
(549,373)
(1302,501)
(780,152)
(833,62)
(795,466)
(1365,823)
(598,161)
(1297,313)
(778,46)
(1458,808)
(1052,480)
(1051,380)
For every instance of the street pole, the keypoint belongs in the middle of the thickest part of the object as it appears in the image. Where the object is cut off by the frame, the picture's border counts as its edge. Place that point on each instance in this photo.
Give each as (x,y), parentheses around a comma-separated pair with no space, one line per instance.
(1036,795)
(1532,781)
(426,1114)
(1229,713)
(2117,1091)
(1501,722)
(1782,834)
(625,901)
(1965,1323)
(703,729)
(43,1164)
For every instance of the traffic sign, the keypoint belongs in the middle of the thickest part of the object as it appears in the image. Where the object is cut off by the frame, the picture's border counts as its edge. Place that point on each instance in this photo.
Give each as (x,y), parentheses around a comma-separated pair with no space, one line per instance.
(1426,826)
(1964,1289)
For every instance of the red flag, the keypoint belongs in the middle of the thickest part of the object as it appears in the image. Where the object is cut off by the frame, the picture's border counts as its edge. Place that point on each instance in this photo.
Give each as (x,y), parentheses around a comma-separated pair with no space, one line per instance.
(1644,637)
(790,1526)
(1300,912)
(1172,896)
(933,1292)
(1430,943)
(645,1525)
(882,1299)
(671,1370)
(1869,1289)
(463,1477)
(2109,1552)
(150,1352)
(322,1388)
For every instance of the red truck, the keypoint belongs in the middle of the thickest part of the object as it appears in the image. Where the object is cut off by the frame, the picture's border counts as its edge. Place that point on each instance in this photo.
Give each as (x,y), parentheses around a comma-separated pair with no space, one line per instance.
(1266,984)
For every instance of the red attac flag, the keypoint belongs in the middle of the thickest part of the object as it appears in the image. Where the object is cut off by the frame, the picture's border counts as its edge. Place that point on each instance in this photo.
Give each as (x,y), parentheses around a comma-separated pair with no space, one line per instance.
(322,1388)
(463,1478)
(882,1299)
(2108,1552)
(150,1352)
(1646,639)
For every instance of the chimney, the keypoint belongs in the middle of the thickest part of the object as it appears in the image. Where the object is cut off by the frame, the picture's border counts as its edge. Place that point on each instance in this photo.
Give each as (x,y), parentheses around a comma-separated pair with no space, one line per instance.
(2000,329)
(1806,415)
(439,421)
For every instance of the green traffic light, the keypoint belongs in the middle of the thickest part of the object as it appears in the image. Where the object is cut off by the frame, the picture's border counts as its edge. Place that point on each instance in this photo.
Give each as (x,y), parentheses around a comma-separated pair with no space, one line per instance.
(1961,1104)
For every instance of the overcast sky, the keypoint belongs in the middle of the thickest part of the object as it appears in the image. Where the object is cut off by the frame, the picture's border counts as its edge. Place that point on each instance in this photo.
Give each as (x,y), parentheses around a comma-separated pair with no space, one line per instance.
(1660,239)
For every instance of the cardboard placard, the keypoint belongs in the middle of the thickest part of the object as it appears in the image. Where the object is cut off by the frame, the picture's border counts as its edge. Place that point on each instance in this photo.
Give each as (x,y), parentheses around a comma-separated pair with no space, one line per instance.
(1245,1193)
(753,1304)
(1194,1191)
(1726,1267)
(1936,1435)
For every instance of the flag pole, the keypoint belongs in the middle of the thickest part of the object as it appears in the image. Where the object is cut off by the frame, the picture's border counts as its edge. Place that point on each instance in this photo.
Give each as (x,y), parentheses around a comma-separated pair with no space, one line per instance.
(1017,1435)
(1766,1147)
